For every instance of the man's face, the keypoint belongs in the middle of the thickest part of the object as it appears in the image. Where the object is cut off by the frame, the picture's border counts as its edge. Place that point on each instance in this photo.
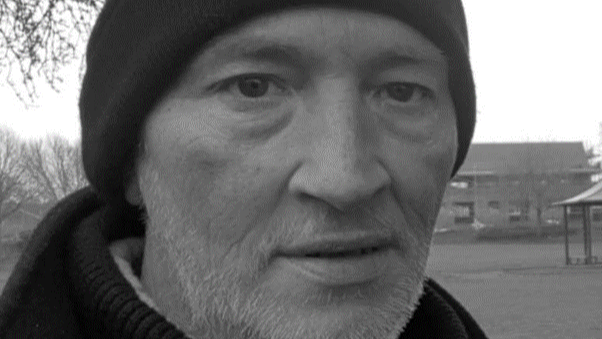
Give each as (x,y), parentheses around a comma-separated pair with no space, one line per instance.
(295,136)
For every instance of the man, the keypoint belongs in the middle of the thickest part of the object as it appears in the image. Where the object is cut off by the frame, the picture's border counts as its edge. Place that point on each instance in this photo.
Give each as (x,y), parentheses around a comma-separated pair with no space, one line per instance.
(259,170)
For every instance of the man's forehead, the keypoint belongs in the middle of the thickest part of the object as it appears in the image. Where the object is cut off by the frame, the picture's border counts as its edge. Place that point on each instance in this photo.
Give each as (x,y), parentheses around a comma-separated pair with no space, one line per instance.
(295,34)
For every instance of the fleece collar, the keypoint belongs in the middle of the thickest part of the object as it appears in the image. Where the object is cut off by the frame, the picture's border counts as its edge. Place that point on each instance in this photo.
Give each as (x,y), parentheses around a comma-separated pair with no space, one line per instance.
(77,279)
(124,253)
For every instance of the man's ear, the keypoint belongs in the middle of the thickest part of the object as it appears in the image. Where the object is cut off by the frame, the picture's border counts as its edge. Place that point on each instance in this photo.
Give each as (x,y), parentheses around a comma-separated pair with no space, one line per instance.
(133,194)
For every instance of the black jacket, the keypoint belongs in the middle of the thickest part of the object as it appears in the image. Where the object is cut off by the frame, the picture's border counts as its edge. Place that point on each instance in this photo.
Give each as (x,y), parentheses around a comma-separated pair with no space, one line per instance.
(67,285)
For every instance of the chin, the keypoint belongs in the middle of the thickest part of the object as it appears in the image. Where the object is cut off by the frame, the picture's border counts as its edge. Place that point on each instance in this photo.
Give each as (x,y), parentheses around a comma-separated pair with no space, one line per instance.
(353,321)
(379,309)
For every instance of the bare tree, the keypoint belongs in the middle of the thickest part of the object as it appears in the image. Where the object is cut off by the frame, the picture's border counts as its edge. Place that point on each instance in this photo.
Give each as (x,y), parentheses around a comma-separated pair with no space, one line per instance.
(39,37)
(593,151)
(537,191)
(529,186)
(12,175)
(533,186)
(54,168)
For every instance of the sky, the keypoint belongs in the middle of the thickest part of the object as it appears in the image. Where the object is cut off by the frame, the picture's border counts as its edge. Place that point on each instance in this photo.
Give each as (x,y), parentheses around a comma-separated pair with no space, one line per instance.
(537,66)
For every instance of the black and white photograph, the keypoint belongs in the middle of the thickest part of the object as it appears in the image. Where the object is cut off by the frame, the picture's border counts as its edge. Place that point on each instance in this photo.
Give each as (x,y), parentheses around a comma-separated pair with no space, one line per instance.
(299,169)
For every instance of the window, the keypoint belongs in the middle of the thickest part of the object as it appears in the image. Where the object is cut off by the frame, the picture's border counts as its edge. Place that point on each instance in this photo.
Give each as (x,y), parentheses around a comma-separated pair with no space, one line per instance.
(494,205)
(460,184)
(596,213)
(488,181)
(575,212)
(518,211)
(463,212)
(512,180)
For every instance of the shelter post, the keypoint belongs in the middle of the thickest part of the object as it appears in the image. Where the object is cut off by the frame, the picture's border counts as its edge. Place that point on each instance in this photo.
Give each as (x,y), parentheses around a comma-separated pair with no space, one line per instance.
(589,258)
(585,234)
(566,236)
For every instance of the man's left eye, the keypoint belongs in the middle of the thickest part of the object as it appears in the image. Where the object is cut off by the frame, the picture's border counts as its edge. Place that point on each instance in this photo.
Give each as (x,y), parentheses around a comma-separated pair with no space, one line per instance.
(404,92)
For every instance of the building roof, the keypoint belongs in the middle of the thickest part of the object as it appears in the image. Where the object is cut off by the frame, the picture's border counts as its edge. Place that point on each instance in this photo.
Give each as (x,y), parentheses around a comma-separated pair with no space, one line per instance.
(514,158)
(591,196)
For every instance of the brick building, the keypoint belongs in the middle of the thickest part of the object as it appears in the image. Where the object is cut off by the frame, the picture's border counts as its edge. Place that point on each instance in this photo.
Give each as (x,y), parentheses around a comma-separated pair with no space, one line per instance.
(503,184)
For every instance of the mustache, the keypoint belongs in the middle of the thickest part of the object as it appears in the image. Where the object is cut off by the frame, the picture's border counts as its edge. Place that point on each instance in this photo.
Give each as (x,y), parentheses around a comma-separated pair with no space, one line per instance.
(379,219)
(383,217)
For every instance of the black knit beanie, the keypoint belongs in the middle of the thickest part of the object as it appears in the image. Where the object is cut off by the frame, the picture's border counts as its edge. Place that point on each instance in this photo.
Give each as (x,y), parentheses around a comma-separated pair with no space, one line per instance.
(139,47)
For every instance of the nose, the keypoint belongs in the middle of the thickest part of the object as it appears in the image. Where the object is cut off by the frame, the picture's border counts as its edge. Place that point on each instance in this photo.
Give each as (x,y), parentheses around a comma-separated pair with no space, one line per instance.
(341,165)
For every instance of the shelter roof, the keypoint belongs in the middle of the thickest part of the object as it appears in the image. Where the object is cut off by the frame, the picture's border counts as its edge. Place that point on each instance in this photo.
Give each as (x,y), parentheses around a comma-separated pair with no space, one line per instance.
(591,196)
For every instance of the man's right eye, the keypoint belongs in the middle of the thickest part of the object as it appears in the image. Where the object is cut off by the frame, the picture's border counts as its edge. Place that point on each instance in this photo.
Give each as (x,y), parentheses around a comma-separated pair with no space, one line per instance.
(252,92)
(252,86)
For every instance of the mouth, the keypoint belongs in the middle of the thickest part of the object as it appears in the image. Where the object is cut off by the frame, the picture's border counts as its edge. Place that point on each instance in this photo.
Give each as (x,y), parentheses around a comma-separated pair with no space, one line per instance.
(343,254)
(338,245)
(342,260)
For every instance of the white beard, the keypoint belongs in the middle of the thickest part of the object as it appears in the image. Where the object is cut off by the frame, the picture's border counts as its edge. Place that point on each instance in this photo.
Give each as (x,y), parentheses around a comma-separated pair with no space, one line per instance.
(215,306)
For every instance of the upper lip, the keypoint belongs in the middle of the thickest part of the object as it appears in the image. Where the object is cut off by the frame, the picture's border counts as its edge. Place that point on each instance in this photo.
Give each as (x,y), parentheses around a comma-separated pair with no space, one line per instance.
(339,242)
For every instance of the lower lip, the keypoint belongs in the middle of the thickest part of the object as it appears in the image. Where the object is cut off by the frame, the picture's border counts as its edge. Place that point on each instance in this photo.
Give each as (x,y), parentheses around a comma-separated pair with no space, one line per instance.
(341,271)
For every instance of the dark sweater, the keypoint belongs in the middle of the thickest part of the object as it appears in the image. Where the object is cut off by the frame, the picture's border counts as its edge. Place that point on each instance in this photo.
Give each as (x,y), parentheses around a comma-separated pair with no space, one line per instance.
(67,285)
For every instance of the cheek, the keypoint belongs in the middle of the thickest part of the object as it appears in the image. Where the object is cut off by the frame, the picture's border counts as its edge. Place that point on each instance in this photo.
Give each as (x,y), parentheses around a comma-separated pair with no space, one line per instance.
(187,157)
(441,150)
(422,171)
(187,146)
(212,183)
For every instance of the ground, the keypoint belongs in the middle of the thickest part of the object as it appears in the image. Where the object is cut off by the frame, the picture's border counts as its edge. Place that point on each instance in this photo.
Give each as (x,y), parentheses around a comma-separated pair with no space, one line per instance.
(523,290)
(513,290)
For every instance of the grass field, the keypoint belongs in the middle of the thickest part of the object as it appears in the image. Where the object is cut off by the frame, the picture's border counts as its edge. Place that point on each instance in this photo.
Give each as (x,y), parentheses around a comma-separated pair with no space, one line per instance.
(513,290)
(523,290)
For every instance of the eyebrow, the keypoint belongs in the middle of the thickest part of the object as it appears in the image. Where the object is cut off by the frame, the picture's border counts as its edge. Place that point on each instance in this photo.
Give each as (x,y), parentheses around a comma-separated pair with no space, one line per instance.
(288,53)
(404,54)
(255,49)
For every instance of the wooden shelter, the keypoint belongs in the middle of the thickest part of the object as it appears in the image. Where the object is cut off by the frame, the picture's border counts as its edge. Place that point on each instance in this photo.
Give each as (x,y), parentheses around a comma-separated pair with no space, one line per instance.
(586,199)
